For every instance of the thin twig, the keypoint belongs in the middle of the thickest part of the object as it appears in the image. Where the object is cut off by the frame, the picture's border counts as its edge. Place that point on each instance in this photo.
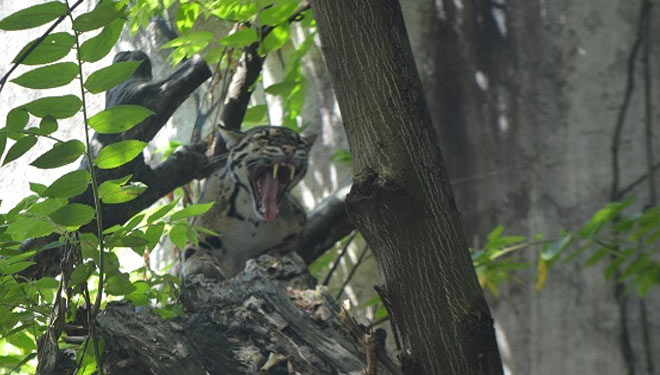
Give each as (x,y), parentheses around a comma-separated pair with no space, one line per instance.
(22,58)
(350,239)
(639,180)
(350,274)
(91,312)
(646,339)
(378,322)
(630,86)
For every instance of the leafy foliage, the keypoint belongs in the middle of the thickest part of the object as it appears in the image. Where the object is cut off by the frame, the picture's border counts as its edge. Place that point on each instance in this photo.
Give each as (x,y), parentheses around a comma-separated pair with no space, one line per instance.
(626,243)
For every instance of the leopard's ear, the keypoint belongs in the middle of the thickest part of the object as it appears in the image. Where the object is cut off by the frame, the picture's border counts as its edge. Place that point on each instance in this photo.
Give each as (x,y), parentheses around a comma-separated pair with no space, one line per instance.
(309,139)
(230,136)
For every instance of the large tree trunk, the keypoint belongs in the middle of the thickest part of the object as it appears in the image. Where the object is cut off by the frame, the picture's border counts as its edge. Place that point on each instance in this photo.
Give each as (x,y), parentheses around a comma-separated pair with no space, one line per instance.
(525,97)
(401,200)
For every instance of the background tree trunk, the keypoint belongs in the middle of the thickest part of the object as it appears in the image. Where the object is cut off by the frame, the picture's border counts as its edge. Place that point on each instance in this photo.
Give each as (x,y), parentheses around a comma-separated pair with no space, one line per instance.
(525,98)
(401,200)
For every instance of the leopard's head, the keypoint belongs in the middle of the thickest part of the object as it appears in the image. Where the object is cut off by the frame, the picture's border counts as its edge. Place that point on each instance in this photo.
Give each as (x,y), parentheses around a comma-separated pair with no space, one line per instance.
(268,161)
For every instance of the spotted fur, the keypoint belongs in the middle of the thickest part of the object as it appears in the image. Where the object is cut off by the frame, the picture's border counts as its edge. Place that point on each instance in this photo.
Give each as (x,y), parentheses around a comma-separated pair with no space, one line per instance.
(243,210)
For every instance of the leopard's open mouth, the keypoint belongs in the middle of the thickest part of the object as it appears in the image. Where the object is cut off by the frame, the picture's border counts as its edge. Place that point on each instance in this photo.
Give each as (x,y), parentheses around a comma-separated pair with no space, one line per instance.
(269,183)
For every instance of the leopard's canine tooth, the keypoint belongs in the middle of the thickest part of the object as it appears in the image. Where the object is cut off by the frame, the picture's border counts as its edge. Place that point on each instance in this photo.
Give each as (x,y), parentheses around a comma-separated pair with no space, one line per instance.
(276,167)
(292,167)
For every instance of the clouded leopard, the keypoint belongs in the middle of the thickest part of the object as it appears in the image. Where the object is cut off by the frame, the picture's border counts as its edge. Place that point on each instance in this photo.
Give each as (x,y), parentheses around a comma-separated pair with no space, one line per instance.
(253,210)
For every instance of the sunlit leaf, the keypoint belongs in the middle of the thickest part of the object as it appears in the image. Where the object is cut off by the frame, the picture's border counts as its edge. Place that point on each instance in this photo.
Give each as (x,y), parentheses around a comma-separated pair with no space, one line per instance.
(37,188)
(542,274)
(47,77)
(192,210)
(110,76)
(103,14)
(119,153)
(277,14)
(179,235)
(33,16)
(96,48)
(71,184)
(275,39)
(47,206)
(61,154)
(112,193)
(257,114)
(28,227)
(186,16)
(240,38)
(73,215)
(119,118)
(162,211)
(153,234)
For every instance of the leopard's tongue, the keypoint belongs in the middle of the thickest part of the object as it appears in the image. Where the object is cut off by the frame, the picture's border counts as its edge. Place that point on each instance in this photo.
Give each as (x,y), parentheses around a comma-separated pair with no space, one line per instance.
(269,197)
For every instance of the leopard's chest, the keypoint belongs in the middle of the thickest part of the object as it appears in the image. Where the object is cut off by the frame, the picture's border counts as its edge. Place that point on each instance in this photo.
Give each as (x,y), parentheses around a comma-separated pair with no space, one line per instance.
(242,234)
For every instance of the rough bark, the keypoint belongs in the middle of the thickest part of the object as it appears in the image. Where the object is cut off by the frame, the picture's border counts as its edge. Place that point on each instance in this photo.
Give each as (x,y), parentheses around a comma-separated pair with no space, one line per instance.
(401,200)
(265,320)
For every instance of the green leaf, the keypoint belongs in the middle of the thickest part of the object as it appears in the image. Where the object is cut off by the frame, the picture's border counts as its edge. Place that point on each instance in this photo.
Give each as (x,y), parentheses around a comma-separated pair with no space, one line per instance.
(81,273)
(47,77)
(47,125)
(73,215)
(119,118)
(282,88)
(275,39)
(131,241)
(112,193)
(57,106)
(277,14)
(103,14)
(179,235)
(196,38)
(48,206)
(33,16)
(162,211)
(29,227)
(240,38)
(19,148)
(37,188)
(47,282)
(17,119)
(61,154)
(54,47)
(119,153)
(235,10)
(140,296)
(135,220)
(186,16)
(153,234)
(16,267)
(3,143)
(71,184)
(192,210)
(256,115)
(110,76)
(119,285)
(94,49)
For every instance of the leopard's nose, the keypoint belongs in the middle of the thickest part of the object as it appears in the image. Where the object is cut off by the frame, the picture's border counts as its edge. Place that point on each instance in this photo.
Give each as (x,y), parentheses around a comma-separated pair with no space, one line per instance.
(288,150)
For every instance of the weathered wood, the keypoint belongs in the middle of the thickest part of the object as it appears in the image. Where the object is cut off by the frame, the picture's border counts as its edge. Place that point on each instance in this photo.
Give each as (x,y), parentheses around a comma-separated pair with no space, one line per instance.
(401,200)
(265,320)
